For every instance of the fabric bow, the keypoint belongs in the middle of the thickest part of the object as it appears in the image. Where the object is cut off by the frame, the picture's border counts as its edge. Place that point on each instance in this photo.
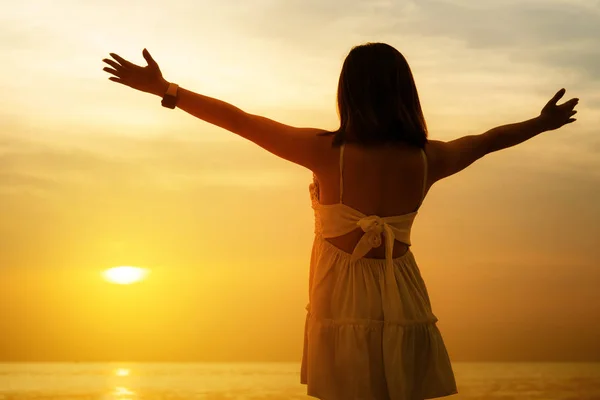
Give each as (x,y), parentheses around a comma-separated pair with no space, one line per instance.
(373,226)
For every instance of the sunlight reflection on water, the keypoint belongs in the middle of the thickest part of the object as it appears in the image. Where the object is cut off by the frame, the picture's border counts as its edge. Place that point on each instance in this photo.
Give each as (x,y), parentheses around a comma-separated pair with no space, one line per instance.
(271,381)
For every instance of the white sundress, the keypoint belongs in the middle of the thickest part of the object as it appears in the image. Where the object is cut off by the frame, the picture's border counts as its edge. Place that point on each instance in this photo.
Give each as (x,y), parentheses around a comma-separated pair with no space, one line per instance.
(370,333)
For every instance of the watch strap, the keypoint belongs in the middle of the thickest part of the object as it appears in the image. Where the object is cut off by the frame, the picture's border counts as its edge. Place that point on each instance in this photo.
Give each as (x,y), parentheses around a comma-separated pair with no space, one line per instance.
(171,96)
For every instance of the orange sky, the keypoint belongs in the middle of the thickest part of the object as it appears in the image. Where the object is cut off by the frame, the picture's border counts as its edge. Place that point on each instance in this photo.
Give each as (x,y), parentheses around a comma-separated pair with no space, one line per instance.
(95,175)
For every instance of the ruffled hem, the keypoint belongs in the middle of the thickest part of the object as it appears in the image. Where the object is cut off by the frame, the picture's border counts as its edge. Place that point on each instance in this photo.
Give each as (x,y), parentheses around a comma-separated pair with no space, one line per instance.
(375,360)
(323,397)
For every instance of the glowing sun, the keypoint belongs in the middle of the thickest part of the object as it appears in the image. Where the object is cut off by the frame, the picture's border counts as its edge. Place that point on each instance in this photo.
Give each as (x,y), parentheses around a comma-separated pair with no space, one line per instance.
(125,275)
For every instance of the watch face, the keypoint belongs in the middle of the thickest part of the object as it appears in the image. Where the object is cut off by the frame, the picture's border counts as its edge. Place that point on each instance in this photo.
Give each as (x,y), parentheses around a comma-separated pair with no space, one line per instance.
(169,101)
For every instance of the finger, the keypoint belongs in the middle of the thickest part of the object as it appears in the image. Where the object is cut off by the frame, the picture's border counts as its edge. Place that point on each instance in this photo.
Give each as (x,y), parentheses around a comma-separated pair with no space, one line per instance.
(571,120)
(557,96)
(570,104)
(149,58)
(123,61)
(112,63)
(112,78)
(573,101)
(113,71)
(573,113)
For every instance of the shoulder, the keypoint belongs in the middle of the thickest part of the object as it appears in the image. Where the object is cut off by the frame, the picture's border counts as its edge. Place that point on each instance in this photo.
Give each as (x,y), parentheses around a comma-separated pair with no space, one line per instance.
(435,154)
(324,153)
(304,146)
(448,158)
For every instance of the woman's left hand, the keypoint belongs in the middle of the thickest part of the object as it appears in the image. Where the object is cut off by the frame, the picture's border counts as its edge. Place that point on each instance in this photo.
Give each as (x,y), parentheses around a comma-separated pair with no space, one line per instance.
(147,79)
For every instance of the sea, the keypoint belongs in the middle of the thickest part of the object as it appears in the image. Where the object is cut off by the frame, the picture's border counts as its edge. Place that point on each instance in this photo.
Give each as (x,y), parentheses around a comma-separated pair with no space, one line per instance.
(270,381)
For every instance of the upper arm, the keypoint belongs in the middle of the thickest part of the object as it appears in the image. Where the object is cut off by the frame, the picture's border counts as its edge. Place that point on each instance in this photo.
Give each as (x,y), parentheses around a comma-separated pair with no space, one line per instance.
(301,146)
(448,158)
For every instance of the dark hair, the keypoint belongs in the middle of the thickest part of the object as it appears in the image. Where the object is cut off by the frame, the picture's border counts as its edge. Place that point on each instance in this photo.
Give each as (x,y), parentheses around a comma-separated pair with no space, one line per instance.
(377,99)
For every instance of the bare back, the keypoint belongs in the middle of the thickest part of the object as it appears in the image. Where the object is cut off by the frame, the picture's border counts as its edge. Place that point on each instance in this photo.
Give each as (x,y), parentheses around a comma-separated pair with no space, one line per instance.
(384,181)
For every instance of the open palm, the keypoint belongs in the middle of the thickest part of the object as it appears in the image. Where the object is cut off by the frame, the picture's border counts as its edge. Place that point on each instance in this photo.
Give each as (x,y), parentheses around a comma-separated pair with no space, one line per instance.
(148,79)
(555,116)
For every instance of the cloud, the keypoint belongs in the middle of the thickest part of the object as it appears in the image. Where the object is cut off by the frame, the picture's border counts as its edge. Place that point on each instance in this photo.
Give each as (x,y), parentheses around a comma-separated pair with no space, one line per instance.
(560,33)
(129,165)
(505,24)
(563,34)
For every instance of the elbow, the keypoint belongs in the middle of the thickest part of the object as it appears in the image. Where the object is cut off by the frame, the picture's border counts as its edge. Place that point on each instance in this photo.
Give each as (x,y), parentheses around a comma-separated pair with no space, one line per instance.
(492,141)
(240,122)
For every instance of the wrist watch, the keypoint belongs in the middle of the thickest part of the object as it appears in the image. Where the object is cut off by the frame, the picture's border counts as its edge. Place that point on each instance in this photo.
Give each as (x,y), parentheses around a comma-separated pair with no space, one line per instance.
(170,98)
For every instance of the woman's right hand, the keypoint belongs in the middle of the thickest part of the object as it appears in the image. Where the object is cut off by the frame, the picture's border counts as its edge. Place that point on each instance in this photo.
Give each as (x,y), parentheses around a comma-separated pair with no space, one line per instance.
(554,116)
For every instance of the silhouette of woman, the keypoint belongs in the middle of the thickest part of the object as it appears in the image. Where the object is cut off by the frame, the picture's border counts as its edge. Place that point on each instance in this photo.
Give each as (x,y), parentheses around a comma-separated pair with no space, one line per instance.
(370,332)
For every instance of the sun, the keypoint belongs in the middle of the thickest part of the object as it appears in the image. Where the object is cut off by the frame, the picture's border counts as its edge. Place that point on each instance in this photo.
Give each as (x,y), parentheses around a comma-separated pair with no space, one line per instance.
(125,275)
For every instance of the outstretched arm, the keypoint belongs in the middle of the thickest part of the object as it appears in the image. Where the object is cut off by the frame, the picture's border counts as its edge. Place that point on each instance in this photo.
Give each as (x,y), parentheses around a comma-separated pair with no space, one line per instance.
(552,117)
(298,145)
(448,158)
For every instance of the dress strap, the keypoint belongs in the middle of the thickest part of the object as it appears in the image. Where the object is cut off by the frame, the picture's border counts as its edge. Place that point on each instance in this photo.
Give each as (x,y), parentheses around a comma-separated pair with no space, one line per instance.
(342,171)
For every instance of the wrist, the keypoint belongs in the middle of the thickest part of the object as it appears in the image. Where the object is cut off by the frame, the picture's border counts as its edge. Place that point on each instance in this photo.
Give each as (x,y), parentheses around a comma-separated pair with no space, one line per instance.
(161,88)
(541,123)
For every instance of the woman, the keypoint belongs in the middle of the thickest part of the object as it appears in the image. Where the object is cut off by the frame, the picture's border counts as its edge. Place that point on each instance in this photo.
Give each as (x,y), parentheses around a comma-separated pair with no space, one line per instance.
(370,331)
